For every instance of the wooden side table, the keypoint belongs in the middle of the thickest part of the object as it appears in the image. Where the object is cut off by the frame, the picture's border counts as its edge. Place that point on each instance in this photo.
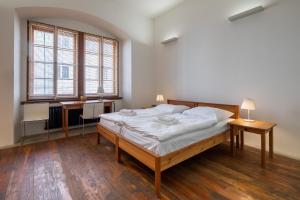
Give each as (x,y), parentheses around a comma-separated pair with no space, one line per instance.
(238,127)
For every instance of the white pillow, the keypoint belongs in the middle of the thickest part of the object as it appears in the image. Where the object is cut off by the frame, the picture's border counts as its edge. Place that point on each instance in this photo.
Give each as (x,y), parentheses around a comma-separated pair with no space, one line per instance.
(169,108)
(221,115)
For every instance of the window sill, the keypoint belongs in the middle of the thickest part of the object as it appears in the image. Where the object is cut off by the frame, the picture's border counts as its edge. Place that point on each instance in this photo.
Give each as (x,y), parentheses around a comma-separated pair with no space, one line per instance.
(71,99)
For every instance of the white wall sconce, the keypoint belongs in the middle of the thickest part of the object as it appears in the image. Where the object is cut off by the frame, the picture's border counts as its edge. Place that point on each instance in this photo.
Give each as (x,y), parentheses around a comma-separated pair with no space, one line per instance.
(169,40)
(246,13)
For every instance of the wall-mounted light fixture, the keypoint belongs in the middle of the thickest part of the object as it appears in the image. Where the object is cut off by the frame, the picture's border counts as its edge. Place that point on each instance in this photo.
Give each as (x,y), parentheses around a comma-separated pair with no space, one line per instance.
(169,40)
(246,13)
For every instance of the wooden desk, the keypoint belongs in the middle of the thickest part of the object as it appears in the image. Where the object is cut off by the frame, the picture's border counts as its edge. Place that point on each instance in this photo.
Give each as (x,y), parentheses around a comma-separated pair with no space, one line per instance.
(72,105)
(238,127)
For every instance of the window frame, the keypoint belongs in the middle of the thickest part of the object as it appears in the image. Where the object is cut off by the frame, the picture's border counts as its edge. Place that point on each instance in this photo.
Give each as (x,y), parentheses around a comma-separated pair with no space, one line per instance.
(79,77)
(101,65)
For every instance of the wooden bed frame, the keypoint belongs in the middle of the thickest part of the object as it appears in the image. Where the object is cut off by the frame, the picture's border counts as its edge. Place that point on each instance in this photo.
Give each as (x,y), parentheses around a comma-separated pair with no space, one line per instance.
(160,163)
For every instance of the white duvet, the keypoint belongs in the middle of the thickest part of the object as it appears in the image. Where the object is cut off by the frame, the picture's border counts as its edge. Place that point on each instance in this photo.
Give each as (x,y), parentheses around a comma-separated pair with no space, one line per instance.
(140,115)
(163,129)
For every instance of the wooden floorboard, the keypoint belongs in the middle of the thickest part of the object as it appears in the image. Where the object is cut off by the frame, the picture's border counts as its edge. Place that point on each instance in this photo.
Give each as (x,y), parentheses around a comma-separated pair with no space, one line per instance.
(78,168)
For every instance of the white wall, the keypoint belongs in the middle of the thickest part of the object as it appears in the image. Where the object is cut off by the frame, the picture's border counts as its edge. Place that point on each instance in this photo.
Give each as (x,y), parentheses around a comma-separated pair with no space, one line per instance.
(6,76)
(17,78)
(218,61)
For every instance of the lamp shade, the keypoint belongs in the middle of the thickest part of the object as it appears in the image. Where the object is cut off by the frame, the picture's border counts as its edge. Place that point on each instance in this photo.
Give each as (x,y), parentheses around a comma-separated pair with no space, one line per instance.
(100,90)
(248,104)
(159,98)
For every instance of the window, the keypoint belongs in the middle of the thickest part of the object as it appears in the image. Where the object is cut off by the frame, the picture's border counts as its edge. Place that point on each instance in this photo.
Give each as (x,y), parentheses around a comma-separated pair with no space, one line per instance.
(57,55)
(100,64)
(53,62)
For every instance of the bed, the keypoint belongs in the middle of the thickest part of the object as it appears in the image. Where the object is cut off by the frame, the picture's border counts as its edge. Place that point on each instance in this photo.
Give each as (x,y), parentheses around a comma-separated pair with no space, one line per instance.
(160,156)
(113,121)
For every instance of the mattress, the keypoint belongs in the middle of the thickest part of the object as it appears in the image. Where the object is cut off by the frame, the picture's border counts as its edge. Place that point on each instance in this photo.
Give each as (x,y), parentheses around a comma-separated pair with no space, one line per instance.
(165,147)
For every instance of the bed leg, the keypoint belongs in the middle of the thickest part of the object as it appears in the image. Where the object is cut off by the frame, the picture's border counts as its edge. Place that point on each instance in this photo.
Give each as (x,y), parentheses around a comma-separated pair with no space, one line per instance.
(117,150)
(98,140)
(157,177)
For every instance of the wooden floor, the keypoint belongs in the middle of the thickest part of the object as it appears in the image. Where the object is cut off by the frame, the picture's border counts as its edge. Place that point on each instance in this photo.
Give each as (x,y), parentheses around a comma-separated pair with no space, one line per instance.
(78,168)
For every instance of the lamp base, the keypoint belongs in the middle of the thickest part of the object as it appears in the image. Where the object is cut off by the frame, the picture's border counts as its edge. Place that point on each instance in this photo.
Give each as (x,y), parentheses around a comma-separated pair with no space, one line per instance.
(249,120)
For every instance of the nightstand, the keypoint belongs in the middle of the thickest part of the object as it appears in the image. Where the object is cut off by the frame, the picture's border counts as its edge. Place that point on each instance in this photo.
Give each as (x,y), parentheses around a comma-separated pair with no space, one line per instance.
(238,127)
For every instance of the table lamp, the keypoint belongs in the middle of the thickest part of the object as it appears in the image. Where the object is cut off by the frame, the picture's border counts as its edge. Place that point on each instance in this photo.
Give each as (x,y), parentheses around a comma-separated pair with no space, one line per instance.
(248,104)
(100,91)
(159,99)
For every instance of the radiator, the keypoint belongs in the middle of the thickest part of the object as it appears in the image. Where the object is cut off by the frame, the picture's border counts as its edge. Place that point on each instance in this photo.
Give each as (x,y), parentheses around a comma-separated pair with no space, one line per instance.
(55,118)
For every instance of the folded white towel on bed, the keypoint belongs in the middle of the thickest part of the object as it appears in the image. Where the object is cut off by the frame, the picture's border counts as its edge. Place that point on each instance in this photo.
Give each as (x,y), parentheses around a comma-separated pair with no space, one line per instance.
(127,112)
(166,120)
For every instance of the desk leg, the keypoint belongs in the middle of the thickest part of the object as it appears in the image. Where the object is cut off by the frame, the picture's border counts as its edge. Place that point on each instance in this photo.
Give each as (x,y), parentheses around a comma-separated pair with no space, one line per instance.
(242,140)
(98,138)
(263,149)
(231,140)
(63,118)
(271,143)
(65,124)
(237,140)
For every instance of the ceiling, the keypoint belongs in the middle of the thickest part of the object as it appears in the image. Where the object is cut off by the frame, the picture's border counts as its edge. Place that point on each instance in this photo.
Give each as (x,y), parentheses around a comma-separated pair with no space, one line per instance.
(148,8)
(145,8)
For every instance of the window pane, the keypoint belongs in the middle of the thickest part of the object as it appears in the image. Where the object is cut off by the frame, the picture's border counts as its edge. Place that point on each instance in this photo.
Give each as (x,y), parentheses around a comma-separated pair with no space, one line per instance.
(65,80)
(48,55)
(66,57)
(49,87)
(65,87)
(108,61)
(92,60)
(108,48)
(39,54)
(39,37)
(43,87)
(49,39)
(108,86)
(91,87)
(39,70)
(42,70)
(108,74)
(66,40)
(92,46)
(49,71)
(92,73)
(65,72)
(38,86)
(43,38)
(43,54)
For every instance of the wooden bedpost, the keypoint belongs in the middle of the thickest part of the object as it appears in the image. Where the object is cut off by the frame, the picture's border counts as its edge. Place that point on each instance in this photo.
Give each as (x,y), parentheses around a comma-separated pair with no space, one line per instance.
(157,176)
(98,140)
(117,150)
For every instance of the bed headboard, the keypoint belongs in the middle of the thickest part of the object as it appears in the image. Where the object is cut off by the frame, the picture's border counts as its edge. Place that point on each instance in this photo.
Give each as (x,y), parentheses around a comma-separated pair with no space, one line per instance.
(232,108)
